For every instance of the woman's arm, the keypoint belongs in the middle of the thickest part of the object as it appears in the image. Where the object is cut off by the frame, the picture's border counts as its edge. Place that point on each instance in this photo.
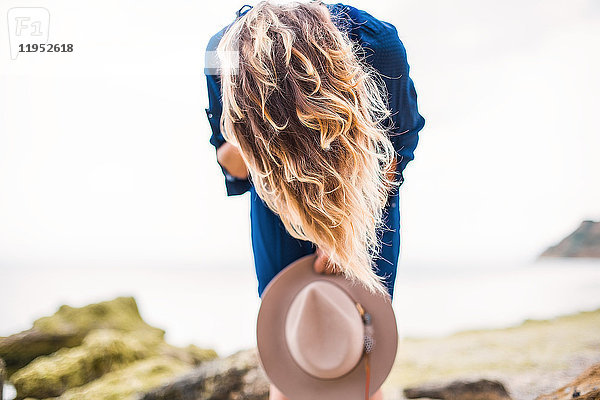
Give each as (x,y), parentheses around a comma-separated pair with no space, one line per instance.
(229,157)
(229,162)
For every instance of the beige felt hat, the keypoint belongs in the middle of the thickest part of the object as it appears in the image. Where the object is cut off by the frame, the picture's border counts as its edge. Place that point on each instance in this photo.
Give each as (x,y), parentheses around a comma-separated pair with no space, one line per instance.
(322,337)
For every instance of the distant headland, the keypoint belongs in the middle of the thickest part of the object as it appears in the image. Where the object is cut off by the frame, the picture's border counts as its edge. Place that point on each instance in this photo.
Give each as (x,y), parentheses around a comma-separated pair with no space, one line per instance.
(583,242)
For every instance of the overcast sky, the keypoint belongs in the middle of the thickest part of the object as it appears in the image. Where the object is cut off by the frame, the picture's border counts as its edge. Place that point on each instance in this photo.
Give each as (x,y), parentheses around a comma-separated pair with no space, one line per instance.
(105,160)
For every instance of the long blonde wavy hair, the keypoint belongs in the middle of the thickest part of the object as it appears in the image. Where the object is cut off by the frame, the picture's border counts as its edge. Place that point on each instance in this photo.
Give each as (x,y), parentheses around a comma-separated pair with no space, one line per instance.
(307,113)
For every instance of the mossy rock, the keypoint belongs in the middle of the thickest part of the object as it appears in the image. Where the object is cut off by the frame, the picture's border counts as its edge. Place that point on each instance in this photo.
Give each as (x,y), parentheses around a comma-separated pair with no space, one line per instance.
(130,382)
(102,351)
(200,355)
(238,376)
(21,348)
(67,328)
(121,313)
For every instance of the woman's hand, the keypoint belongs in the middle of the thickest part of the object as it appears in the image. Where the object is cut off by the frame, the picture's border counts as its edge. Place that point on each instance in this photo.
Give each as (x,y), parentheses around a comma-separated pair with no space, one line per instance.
(230,158)
(322,263)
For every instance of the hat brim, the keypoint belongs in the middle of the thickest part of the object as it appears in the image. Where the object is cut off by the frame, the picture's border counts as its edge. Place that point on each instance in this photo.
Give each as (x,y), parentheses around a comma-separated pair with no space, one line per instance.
(275,356)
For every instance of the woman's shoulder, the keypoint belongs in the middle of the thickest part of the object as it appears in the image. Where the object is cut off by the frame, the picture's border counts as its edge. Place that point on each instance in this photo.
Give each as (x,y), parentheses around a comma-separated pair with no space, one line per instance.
(213,42)
(379,39)
(210,54)
(359,21)
(216,38)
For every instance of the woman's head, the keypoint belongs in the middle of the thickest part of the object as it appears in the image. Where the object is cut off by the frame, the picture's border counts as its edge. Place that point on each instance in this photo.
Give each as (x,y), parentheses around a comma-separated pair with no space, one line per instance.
(307,115)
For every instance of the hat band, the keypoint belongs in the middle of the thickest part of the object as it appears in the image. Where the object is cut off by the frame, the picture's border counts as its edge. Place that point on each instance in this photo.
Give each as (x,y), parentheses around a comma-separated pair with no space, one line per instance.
(369,345)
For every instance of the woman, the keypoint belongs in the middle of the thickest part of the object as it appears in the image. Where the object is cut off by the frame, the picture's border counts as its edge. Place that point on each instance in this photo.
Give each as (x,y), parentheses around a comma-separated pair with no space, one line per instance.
(312,111)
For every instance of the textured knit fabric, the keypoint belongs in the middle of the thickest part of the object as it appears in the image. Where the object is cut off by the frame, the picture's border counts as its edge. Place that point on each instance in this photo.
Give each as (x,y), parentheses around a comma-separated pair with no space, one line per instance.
(273,247)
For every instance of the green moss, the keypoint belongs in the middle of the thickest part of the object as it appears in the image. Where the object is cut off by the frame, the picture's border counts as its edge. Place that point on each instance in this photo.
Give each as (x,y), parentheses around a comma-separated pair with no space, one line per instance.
(69,325)
(101,351)
(127,383)
(199,355)
(121,313)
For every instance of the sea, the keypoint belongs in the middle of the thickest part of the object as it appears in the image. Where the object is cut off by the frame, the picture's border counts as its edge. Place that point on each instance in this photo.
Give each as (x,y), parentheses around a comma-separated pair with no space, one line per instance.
(217,308)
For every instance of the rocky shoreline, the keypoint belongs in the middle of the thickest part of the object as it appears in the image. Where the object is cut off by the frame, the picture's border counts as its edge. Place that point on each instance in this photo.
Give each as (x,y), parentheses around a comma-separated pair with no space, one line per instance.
(99,351)
(106,351)
(530,359)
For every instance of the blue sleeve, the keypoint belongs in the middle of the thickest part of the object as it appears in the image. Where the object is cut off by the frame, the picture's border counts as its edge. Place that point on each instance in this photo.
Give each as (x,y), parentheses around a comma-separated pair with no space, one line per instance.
(233,185)
(384,50)
(406,119)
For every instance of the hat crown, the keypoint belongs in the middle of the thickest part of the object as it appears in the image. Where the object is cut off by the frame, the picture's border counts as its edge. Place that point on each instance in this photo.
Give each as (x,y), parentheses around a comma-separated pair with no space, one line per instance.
(324,331)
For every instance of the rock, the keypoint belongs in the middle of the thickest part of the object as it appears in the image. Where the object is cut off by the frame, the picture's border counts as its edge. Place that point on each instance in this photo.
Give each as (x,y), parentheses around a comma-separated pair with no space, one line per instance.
(593,395)
(21,348)
(130,382)
(2,377)
(191,354)
(585,386)
(67,328)
(237,377)
(102,351)
(583,242)
(460,390)
(200,355)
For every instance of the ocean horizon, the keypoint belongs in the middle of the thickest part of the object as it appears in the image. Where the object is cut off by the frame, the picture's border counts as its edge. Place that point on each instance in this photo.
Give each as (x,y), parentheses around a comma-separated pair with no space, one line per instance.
(217,307)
